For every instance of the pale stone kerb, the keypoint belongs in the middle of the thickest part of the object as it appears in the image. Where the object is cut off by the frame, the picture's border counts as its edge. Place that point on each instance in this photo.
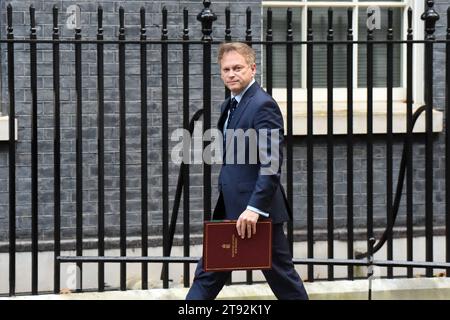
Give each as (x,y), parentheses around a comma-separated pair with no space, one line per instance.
(382,289)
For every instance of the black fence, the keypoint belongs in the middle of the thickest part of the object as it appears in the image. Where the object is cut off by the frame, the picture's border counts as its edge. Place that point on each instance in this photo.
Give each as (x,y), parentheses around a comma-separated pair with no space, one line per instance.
(207,17)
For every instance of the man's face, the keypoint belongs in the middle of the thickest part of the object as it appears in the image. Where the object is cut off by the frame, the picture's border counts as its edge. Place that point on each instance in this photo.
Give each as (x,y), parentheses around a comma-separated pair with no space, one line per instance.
(235,72)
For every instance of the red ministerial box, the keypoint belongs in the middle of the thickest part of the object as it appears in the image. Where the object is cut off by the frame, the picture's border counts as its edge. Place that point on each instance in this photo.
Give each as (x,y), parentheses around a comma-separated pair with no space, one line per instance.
(224,250)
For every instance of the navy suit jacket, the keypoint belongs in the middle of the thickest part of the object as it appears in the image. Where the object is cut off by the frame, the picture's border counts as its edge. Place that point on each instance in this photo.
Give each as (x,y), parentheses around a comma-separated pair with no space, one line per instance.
(243,184)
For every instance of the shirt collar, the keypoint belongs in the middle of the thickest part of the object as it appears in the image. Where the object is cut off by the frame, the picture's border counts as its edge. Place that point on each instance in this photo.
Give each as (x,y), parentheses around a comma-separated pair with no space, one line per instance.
(240,95)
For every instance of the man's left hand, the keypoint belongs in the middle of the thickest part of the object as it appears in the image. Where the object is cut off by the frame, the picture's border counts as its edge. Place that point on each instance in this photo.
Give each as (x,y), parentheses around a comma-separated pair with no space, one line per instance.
(247,223)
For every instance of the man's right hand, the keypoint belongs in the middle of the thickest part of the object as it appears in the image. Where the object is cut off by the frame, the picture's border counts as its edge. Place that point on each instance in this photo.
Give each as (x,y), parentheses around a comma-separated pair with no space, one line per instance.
(247,223)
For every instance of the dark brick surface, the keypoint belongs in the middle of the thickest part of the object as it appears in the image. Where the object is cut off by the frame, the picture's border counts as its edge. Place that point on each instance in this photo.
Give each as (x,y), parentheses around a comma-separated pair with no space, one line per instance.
(68,97)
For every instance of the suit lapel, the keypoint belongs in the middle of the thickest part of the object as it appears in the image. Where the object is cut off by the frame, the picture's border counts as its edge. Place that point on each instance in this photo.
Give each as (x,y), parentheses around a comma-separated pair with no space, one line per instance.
(243,105)
(223,115)
(241,108)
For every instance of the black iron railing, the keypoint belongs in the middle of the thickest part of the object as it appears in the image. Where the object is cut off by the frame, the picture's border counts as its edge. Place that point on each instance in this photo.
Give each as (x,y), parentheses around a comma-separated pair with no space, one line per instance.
(207,17)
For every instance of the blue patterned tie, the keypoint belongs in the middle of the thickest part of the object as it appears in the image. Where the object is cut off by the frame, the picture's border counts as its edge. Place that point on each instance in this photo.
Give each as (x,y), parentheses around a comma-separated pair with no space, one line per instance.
(234,104)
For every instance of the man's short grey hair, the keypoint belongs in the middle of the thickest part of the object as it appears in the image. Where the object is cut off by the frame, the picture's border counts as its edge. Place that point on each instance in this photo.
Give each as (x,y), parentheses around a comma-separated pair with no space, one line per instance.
(243,49)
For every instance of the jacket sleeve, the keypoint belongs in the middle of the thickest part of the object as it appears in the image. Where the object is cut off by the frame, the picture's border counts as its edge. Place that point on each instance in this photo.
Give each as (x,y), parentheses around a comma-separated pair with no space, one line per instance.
(268,124)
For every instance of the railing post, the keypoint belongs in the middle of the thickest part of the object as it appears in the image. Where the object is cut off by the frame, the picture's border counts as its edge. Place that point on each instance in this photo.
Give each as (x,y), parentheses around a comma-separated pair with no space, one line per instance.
(186,181)
(330,145)
(34,155)
(144,150)
(206,17)
(101,148)
(447,144)
(227,24)
(430,16)
(165,145)
(350,141)
(122,150)
(227,38)
(289,119)
(370,140)
(11,158)
(390,137)
(248,30)
(269,37)
(409,148)
(79,155)
(56,155)
(310,146)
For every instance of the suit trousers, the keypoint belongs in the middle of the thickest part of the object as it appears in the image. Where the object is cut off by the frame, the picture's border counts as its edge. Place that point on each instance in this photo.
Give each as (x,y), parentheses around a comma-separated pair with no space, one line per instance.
(283,279)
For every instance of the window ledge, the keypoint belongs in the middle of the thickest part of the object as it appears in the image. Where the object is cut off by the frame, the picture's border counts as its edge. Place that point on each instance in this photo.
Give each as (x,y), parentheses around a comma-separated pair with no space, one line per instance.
(4,128)
(359,118)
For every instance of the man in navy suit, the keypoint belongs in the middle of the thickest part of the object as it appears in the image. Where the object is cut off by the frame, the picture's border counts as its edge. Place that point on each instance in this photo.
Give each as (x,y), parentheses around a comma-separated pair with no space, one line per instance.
(250,189)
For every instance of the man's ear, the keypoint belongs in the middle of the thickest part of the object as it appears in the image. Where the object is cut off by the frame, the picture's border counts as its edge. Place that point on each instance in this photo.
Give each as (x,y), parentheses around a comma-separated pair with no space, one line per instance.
(253,68)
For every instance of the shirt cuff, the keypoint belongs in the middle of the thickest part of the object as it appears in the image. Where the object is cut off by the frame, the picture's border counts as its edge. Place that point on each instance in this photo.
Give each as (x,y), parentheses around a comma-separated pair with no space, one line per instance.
(264,214)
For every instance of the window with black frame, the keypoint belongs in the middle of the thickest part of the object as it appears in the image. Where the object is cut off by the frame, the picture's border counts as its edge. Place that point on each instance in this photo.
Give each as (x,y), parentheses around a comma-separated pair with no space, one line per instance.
(361,22)
(320,31)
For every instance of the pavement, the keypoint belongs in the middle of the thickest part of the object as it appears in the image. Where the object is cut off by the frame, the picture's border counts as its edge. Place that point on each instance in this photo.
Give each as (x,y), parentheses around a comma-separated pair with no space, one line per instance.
(437,288)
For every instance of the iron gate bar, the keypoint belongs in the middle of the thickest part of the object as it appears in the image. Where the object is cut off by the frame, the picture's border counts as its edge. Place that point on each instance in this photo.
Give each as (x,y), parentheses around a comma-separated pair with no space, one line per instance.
(165,144)
(79,154)
(206,17)
(330,143)
(389,138)
(144,150)
(186,179)
(269,51)
(227,91)
(56,155)
(289,122)
(216,42)
(248,39)
(447,143)
(350,237)
(430,17)
(313,261)
(310,146)
(122,150)
(11,157)
(34,156)
(248,31)
(369,141)
(227,28)
(409,145)
(101,148)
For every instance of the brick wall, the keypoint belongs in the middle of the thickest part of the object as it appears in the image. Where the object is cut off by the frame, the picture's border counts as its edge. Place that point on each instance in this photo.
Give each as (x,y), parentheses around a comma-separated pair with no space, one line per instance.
(89,96)
(153,9)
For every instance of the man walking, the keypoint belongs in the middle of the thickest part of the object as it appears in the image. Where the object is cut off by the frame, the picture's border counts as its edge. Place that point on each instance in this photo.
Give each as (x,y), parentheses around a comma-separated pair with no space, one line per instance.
(250,191)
